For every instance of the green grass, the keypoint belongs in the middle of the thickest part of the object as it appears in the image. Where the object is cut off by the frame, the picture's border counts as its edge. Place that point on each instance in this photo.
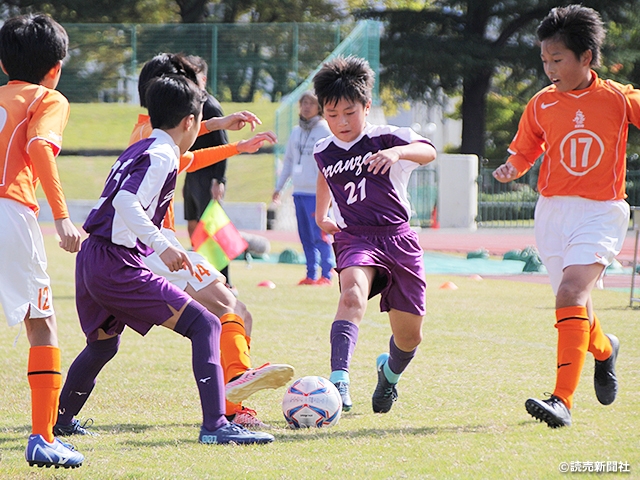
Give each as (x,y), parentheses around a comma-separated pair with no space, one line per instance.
(99,126)
(108,125)
(250,178)
(487,347)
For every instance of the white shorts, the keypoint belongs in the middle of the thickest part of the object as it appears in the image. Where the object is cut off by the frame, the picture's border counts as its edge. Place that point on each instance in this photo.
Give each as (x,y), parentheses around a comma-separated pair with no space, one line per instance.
(578,231)
(24,283)
(205,274)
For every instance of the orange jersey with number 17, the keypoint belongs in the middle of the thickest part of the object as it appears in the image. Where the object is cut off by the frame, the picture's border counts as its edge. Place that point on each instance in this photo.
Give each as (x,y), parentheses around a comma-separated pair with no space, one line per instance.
(583,136)
(29,112)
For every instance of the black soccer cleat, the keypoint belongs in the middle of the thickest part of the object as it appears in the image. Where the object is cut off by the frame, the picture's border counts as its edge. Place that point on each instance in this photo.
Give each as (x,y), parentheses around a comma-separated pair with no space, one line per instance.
(553,411)
(385,393)
(74,429)
(345,396)
(604,374)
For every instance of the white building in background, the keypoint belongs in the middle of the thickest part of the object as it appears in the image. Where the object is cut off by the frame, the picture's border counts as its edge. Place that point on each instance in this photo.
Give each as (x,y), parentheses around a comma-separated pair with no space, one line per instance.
(431,122)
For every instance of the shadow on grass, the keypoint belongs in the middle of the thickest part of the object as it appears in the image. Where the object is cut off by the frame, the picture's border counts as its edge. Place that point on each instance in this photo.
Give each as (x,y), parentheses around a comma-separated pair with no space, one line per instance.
(283,434)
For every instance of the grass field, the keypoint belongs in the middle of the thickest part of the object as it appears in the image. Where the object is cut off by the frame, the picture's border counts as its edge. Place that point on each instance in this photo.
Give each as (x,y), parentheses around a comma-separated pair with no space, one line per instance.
(487,347)
(107,126)
(250,178)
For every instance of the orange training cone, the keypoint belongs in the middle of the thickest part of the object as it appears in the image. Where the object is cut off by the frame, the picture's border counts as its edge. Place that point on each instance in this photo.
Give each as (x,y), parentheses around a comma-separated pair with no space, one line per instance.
(434,217)
(448,286)
(475,277)
(267,283)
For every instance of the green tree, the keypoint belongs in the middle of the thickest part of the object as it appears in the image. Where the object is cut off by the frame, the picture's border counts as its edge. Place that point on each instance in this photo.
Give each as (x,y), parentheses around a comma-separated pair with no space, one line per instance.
(459,46)
(98,11)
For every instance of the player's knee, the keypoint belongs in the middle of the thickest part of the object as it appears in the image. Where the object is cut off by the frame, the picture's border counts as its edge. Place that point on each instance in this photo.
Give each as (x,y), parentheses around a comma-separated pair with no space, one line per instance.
(408,341)
(197,320)
(240,309)
(107,348)
(571,294)
(353,299)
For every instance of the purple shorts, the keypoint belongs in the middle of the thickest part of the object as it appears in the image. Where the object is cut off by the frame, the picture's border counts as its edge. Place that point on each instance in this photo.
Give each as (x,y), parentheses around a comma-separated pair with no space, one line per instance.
(114,288)
(396,254)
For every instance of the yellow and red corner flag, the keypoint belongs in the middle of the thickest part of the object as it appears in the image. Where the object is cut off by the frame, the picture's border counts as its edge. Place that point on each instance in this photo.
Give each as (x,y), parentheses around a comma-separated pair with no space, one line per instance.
(216,238)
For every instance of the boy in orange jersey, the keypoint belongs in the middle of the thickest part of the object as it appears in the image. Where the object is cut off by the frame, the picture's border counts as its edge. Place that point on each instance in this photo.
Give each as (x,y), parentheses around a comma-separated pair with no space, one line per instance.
(207,285)
(580,124)
(32,118)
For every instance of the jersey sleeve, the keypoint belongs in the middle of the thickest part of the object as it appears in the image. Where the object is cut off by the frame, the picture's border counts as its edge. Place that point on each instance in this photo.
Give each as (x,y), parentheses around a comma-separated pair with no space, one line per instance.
(528,143)
(44,162)
(51,115)
(209,156)
(632,97)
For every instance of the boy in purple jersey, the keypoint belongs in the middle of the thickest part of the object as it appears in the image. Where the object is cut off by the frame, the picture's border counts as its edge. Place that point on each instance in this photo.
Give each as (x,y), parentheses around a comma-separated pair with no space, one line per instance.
(364,170)
(115,289)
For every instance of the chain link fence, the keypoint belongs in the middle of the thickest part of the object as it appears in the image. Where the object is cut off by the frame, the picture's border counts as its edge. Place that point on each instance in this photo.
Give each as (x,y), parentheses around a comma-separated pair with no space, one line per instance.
(246,61)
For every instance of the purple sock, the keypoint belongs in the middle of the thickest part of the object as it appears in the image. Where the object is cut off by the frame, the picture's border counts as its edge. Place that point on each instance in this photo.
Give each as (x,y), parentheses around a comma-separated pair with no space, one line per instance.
(399,359)
(344,335)
(82,375)
(203,329)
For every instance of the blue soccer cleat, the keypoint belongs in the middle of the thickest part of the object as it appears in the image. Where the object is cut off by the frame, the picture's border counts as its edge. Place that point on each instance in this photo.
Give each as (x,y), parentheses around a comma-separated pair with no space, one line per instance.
(41,453)
(385,393)
(345,396)
(234,433)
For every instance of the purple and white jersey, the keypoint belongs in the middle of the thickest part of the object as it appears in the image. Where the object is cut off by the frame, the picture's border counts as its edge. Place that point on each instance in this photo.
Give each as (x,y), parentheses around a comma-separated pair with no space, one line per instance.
(145,176)
(359,197)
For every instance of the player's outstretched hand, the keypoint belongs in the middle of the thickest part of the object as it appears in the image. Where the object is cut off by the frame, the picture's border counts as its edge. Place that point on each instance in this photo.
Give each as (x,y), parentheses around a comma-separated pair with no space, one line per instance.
(255,143)
(68,234)
(505,173)
(328,225)
(235,121)
(175,259)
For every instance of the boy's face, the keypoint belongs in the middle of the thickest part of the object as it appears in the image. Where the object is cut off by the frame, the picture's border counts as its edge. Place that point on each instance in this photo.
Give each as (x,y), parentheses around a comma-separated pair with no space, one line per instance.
(191,133)
(562,67)
(347,119)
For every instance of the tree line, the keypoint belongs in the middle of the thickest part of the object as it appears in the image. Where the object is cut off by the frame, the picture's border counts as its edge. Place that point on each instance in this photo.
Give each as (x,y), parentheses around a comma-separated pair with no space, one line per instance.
(483,51)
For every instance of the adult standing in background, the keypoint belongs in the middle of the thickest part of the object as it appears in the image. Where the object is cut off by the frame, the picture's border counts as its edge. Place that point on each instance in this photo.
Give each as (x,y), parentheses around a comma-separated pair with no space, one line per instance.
(301,167)
(207,183)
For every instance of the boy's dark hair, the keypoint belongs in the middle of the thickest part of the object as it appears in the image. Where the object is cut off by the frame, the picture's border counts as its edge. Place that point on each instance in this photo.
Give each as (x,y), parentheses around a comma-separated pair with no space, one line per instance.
(349,77)
(31,45)
(164,64)
(170,98)
(579,28)
(199,64)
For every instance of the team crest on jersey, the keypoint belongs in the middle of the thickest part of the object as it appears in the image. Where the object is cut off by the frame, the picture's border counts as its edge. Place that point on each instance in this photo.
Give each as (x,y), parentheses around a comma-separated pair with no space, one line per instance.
(579,119)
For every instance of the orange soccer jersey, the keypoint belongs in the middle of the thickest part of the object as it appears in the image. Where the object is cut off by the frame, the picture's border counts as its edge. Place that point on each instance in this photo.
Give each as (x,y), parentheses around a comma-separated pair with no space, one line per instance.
(189,162)
(30,112)
(583,135)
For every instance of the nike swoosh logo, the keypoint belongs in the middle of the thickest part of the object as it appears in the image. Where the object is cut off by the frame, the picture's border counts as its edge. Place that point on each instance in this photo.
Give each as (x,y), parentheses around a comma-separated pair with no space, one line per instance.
(205,380)
(560,365)
(547,105)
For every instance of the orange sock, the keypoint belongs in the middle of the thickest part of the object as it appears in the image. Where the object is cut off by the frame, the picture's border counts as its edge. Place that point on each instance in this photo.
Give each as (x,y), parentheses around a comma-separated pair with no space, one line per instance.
(231,408)
(45,380)
(599,343)
(573,342)
(234,348)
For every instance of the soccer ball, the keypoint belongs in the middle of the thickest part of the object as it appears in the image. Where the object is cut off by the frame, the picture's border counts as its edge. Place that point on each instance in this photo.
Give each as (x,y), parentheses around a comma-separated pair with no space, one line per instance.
(311,402)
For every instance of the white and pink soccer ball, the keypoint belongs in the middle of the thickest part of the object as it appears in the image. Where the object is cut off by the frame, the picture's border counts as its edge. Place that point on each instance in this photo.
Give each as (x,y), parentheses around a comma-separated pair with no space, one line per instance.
(311,402)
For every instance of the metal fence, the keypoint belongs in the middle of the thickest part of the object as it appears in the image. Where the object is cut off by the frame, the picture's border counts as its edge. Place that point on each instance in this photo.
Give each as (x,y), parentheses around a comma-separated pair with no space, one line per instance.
(245,60)
(499,205)
(363,41)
